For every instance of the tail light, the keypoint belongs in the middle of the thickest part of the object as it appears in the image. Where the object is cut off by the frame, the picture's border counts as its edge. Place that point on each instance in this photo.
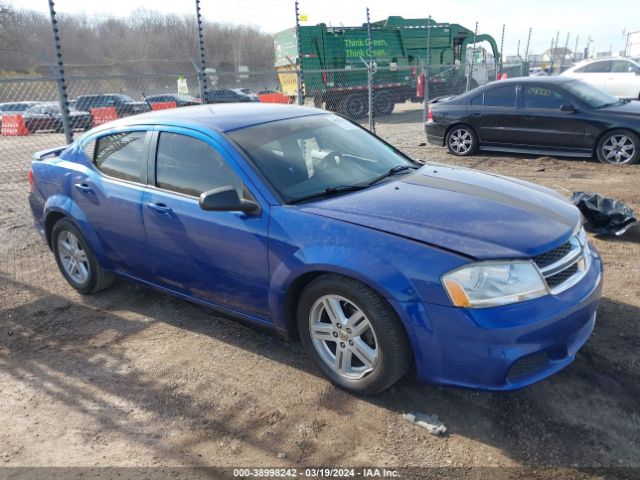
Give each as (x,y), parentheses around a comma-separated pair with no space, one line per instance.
(429,114)
(31,179)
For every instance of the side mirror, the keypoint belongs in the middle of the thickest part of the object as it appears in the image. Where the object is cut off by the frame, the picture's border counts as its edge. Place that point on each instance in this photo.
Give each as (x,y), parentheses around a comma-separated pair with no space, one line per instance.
(568,108)
(226,199)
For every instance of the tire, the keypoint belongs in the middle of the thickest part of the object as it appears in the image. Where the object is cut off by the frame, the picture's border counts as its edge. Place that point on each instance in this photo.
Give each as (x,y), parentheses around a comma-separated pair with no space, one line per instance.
(354,106)
(373,349)
(619,147)
(383,103)
(69,246)
(461,141)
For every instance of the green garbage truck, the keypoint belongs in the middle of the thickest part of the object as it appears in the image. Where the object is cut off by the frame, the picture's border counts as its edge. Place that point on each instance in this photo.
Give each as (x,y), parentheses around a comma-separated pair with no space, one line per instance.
(333,62)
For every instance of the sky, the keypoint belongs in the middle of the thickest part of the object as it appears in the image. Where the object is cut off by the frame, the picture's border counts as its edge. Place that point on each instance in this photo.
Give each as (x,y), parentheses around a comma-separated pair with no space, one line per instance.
(585,18)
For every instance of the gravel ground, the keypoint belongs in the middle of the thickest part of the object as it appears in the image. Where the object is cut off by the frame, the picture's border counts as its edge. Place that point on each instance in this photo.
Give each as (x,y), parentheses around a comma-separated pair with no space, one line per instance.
(131,377)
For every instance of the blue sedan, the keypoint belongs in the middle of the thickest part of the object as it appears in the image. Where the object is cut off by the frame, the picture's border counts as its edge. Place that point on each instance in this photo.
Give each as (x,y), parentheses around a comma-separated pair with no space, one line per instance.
(299,220)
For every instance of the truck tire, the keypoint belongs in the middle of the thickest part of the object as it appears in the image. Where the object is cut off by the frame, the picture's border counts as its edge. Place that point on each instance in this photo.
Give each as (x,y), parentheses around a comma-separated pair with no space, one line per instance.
(354,106)
(383,103)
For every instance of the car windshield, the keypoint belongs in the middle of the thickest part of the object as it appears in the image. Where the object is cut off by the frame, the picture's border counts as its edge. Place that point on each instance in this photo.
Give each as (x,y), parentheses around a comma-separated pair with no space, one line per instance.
(125,98)
(592,96)
(308,156)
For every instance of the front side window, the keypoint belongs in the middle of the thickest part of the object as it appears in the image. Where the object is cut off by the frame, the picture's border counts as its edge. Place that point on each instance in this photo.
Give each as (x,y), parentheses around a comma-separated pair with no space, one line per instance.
(542,97)
(501,97)
(190,166)
(121,155)
(309,155)
(621,66)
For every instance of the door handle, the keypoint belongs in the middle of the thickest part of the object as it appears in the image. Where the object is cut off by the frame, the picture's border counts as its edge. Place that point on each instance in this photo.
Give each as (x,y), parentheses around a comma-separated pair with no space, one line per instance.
(529,117)
(476,114)
(160,208)
(83,187)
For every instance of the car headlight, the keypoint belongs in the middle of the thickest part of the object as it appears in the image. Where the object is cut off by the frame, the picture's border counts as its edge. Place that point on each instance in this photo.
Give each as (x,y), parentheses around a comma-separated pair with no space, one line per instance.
(490,284)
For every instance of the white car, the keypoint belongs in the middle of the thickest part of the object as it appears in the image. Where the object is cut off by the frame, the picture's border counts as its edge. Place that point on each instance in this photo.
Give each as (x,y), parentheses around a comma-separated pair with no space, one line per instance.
(618,76)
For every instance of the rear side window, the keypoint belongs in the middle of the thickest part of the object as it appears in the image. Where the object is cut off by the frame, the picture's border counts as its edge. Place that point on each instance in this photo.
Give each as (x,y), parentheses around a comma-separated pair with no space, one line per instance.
(501,97)
(542,97)
(121,155)
(190,166)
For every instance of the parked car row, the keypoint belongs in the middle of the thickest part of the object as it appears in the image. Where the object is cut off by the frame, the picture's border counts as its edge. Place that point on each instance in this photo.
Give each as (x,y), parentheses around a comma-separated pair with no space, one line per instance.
(46,116)
(39,116)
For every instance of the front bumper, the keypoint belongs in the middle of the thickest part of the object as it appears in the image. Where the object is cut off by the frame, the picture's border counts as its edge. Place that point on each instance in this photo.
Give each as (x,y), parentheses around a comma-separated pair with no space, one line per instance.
(507,347)
(435,133)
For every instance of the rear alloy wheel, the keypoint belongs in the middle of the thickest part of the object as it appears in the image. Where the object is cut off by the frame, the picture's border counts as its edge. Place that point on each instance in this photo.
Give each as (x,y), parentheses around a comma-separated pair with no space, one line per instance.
(352,334)
(619,147)
(354,106)
(462,141)
(75,259)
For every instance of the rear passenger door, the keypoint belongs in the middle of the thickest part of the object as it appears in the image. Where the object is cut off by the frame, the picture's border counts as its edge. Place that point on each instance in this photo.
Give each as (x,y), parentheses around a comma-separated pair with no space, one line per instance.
(218,257)
(109,194)
(498,119)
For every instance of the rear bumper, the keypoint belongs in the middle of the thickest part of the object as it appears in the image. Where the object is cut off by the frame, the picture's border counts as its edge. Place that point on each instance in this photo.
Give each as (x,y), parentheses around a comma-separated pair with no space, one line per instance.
(435,133)
(503,348)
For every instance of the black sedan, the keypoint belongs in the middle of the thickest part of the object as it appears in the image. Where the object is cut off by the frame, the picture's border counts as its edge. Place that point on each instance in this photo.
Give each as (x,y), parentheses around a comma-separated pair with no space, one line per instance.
(227,95)
(181,100)
(546,116)
(47,116)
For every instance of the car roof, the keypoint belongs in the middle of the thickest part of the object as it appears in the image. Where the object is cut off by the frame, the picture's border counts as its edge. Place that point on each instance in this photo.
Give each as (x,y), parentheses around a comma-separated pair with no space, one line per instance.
(220,117)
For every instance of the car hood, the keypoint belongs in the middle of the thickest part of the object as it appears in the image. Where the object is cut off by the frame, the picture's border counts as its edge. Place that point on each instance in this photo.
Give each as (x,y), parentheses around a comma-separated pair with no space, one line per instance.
(476,214)
(628,108)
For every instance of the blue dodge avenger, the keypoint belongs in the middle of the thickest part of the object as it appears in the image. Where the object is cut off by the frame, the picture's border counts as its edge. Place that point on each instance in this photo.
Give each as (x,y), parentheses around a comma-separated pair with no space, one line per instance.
(299,220)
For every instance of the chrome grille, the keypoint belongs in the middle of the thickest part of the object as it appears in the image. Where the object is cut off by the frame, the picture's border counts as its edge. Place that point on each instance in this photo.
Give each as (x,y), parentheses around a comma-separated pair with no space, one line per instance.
(565,265)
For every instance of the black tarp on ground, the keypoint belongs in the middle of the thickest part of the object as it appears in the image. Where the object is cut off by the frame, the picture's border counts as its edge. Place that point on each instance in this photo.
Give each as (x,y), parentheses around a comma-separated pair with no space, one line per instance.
(604,215)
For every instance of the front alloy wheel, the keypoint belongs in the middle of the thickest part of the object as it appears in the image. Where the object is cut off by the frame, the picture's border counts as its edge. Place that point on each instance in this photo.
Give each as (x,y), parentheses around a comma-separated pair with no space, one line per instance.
(352,334)
(343,337)
(619,147)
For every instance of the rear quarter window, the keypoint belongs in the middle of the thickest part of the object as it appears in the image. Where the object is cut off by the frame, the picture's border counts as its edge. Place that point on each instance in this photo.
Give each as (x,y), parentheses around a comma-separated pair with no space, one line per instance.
(121,155)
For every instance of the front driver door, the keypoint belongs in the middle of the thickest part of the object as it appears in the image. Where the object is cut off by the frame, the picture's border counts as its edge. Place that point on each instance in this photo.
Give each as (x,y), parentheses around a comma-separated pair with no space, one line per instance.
(218,257)
(542,122)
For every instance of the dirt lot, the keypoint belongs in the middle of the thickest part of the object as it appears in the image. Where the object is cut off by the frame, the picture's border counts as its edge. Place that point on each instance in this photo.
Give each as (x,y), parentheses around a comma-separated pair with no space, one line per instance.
(134,378)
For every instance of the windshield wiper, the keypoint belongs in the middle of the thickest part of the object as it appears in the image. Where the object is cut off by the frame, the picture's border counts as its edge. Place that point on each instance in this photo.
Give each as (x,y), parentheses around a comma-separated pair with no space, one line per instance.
(392,172)
(329,191)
